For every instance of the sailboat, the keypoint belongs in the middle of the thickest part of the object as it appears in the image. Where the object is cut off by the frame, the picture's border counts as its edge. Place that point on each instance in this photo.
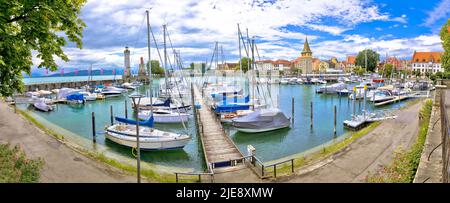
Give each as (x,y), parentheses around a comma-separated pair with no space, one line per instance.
(125,133)
(261,120)
(164,116)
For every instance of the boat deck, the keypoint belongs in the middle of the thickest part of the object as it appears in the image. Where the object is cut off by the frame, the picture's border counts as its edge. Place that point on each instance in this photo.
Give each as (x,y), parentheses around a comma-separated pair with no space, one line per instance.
(219,149)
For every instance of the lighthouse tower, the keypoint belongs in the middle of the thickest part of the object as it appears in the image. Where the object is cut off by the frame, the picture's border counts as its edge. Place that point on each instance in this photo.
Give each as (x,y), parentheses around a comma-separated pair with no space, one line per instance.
(127,72)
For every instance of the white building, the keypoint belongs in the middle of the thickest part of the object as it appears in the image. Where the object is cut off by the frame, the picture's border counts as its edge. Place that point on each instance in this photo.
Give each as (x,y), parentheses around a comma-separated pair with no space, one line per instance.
(427,62)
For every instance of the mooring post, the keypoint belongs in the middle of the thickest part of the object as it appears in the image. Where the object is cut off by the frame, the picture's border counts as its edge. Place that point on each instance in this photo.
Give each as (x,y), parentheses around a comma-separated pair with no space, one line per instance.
(335,116)
(176,177)
(365,95)
(126,109)
(93,127)
(312,115)
(111,114)
(292,165)
(293,109)
(275,171)
(354,104)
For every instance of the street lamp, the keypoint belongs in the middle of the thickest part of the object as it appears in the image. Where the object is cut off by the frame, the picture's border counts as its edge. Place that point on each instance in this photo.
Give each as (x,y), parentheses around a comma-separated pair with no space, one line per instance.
(136,106)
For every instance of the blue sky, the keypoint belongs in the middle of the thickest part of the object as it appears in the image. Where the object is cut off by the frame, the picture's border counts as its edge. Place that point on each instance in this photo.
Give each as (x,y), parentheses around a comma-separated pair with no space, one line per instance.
(335,28)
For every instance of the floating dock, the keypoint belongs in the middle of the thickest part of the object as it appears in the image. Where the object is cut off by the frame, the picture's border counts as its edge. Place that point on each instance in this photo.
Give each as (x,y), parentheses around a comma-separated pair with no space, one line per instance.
(359,121)
(220,150)
(396,99)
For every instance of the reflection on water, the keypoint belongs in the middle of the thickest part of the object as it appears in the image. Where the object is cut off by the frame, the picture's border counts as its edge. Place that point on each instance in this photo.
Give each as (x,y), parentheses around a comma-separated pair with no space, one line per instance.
(269,146)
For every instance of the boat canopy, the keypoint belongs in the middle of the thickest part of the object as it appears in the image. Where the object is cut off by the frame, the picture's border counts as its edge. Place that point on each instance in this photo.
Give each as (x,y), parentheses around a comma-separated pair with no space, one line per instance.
(146,123)
(75,97)
(264,118)
(230,108)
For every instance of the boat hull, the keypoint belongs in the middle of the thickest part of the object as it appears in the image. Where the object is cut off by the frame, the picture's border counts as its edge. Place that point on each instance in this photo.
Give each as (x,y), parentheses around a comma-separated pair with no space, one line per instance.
(145,143)
(166,118)
(260,130)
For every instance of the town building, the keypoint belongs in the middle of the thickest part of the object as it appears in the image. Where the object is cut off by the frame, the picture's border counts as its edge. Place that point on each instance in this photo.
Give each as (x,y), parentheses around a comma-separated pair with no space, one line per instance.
(349,64)
(228,66)
(427,62)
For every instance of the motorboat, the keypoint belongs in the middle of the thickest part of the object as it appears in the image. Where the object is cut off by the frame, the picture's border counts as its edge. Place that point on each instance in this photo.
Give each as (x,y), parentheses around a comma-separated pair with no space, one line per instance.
(89,96)
(111,91)
(299,81)
(343,92)
(293,81)
(262,120)
(128,86)
(125,133)
(42,106)
(334,88)
(228,117)
(164,116)
(284,81)
(380,96)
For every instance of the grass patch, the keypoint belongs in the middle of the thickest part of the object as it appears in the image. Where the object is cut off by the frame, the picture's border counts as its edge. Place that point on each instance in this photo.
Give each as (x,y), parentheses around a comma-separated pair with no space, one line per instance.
(285,169)
(147,173)
(404,165)
(16,168)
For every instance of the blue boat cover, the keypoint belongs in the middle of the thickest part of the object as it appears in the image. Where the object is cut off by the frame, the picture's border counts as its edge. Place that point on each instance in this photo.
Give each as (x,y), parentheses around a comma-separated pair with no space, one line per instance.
(147,123)
(75,97)
(231,108)
(236,100)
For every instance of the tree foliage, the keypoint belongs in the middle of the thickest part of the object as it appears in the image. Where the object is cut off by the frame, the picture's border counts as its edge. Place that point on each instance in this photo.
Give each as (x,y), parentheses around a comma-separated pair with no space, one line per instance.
(245,64)
(445,37)
(372,59)
(40,26)
(156,68)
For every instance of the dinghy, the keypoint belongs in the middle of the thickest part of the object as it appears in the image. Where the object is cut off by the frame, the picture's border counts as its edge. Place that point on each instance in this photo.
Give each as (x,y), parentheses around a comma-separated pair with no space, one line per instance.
(42,106)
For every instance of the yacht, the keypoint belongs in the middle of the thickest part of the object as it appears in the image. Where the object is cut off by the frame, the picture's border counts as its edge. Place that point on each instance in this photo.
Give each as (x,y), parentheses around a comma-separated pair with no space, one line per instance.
(164,116)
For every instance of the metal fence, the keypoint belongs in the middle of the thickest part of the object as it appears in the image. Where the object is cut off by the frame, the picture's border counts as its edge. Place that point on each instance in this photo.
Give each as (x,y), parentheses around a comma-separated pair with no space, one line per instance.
(445,139)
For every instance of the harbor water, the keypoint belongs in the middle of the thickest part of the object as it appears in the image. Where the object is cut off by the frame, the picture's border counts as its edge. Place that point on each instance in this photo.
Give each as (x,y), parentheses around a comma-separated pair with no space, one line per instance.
(269,146)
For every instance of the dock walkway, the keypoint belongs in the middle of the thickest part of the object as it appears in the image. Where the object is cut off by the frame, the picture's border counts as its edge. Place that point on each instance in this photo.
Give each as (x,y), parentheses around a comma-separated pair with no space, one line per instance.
(220,151)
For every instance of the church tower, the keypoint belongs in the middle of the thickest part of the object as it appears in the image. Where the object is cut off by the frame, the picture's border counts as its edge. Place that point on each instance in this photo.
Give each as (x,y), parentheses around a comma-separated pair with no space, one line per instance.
(306,58)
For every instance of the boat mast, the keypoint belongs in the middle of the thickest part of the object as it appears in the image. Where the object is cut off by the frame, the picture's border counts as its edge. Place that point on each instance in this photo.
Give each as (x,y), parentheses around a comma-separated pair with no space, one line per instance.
(240,54)
(165,59)
(253,72)
(150,63)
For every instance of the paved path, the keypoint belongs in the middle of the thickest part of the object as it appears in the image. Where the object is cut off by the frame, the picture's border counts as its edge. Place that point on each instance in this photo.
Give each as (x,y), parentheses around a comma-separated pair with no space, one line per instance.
(62,164)
(365,154)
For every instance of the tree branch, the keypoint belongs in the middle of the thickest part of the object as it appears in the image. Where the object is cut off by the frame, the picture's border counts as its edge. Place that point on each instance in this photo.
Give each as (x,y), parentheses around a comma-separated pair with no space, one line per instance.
(24,16)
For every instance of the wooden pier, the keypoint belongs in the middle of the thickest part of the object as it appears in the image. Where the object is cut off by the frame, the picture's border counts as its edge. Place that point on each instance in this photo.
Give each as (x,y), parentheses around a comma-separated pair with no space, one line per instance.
(220,151)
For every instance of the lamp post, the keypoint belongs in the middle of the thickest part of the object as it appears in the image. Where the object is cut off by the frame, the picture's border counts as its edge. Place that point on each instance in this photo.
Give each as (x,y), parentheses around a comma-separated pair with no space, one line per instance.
(138,148)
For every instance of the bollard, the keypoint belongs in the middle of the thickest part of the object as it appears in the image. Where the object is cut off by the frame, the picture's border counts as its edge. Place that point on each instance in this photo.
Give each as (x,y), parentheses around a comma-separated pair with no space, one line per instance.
(126,109)
(293,109)
(93,127)
(312,115)
(335,116)
(111,114)
(275,171)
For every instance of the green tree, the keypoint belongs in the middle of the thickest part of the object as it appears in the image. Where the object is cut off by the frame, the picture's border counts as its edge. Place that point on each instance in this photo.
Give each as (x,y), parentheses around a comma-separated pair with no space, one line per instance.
(358,70)
(387,70)
(191,66)
(372,59)
(245,62)
(445,37)
(156,68)
(40,26)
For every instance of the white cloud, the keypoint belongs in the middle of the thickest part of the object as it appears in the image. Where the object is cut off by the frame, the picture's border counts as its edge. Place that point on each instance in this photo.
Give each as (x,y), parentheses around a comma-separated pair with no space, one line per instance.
(440,11)
(330,29)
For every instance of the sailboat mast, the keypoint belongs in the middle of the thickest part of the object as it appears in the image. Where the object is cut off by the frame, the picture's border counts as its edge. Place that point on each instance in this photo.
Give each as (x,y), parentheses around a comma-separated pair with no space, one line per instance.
(253,72)
(165,58)
(240,53)
(150,62)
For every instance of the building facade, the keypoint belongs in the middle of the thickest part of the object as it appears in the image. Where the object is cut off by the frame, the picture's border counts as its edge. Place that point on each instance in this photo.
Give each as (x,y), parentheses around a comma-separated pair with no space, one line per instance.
(427,62)
(305,61)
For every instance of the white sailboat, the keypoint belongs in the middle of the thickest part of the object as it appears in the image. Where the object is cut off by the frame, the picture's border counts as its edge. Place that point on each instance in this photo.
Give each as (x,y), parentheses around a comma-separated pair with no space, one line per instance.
(125,133)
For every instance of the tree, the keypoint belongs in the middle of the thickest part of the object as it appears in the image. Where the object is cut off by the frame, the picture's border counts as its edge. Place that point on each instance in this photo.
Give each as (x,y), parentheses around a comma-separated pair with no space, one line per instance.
(156,68)
(445,37)
(387,70)
(191,66)
(359,70)
(245,62)
(40,26)
(372,59)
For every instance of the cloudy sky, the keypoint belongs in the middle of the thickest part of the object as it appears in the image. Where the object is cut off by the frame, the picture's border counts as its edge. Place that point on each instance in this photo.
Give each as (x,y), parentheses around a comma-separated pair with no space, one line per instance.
(334,28)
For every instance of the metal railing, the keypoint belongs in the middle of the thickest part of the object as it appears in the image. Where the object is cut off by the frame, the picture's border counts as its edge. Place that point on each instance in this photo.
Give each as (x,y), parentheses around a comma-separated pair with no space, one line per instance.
(445,139)
(258,164)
